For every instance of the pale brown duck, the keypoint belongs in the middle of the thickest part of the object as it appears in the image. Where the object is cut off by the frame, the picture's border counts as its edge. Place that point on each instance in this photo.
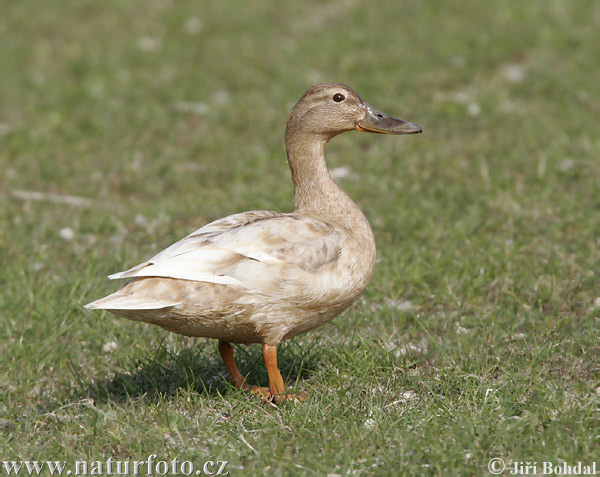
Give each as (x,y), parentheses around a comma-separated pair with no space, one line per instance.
(261,276)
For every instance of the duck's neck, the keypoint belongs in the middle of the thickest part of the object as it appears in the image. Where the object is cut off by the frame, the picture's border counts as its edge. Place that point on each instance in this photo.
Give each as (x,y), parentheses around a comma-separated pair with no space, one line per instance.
(315,192)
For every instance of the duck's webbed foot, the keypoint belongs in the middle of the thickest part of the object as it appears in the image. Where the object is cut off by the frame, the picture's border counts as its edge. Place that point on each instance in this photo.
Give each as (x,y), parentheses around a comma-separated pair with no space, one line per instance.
(267,396)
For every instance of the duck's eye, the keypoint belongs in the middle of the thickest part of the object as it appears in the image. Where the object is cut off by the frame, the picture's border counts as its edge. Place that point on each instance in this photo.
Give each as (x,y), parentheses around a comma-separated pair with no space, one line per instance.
(337,97)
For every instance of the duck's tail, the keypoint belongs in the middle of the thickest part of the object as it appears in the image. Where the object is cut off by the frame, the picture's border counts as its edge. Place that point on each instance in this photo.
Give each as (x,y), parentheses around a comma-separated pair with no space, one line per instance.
(120,301)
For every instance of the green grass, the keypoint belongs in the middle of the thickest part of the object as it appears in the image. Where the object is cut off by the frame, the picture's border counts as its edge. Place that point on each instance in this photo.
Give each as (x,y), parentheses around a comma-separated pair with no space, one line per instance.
(478,335)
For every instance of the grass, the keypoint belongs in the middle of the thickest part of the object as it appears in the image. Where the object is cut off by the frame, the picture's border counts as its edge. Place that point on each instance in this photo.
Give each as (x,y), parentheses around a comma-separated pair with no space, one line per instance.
(478,335)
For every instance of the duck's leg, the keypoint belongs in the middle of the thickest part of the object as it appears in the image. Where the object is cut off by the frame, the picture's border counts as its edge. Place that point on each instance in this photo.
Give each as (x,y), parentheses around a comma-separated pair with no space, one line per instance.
(276,384)
(237,378)
(276,390)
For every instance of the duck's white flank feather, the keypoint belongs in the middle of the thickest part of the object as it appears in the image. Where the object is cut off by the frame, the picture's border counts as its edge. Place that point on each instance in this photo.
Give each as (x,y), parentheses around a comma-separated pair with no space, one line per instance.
(235,250)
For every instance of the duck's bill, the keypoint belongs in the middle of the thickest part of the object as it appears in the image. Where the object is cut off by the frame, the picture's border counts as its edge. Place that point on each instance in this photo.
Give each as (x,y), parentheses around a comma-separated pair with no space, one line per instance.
(376,121)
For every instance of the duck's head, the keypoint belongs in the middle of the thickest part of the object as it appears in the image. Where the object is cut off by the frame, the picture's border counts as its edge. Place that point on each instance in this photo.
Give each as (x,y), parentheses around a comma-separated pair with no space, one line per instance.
(332,108)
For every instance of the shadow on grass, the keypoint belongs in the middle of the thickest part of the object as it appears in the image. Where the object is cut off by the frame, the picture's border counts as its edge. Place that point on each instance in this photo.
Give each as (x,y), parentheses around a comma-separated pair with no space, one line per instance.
(198,369)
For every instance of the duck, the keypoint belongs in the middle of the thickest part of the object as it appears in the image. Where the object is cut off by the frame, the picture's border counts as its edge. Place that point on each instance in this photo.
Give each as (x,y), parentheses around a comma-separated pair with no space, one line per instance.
(263,276)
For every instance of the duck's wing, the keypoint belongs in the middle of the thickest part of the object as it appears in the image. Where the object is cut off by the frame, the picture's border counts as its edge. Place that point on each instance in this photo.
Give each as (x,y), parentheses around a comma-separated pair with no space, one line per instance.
(238,250)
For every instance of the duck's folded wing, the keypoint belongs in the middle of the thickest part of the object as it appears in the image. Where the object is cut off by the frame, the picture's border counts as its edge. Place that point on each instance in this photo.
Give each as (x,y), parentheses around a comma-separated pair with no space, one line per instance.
(237,249)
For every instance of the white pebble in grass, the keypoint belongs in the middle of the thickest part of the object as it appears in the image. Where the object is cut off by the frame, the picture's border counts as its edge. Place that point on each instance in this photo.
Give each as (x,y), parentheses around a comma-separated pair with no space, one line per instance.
(141,221)
(66,234)
(369,424)
(566,165)
(404,349)
(400,305)
(409,396)
(514,73)
(473,109)
(404,398)
(459,97)
(148,44)
(190,107)
(342,172)
(221,97)
(458,61)
(193,25)
(110,346)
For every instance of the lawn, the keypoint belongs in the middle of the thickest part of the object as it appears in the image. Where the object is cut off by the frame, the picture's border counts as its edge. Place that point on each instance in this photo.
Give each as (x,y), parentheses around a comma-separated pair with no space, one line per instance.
(126,125)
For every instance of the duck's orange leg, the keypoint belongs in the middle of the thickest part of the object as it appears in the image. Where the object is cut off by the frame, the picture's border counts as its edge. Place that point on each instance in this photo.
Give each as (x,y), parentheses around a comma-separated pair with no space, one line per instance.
(237,378)
(276,389)
(276,384)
